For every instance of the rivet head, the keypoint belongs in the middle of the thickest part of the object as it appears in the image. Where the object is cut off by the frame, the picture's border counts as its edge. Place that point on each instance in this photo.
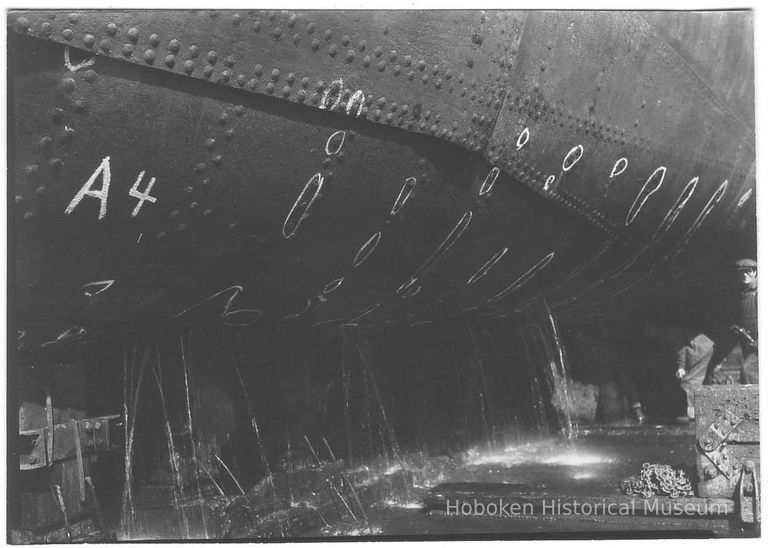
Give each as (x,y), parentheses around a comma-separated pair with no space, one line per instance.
(68,84)
(398,69)
(229,134)
(424,79)
(88,40)
(225,76)
(67,34)
(212,57)
(79,105)
(275,74)
(22,23)
(55,163)
(57,115)
(46,29)
(223,118)
(291,78)
(381,66)
(277,32)
(256,26)
(73,18)
(229,61)
(301,96)
(271,88)
(90,76)
(127,50)
(296,38)
(286,91)
(315,45)
(411,74)
(216,159)
(210,143)
(328,34)
(111,29)
(68,134)
(333,50)
(258,70)
(133,34)
(207,71)
(19,198)
(378,51)
(422,65)
(174,46)
(438,83)
(292,20)
(311,28)
(189,66)
(345,40)
(194,51)
(154,40)
(236,19)
(200,167)
(149,56)
(28,215)
(367,61)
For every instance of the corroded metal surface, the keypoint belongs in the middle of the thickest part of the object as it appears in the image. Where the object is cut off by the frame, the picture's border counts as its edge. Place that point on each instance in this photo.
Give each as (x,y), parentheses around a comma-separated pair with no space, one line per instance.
(728,437)
(371,168)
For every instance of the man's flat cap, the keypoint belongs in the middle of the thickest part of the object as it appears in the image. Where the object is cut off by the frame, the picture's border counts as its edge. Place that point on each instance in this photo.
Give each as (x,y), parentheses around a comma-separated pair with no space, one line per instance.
(745,264)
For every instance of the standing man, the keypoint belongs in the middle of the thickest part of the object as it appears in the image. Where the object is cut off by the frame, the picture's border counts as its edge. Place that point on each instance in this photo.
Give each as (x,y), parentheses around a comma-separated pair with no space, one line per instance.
(692,363)
(744,319)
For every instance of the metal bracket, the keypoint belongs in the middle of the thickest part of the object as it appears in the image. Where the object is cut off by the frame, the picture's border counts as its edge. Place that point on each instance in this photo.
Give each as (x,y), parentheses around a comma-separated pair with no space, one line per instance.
(77,439)
(713,444)
(749,494)
(719,431)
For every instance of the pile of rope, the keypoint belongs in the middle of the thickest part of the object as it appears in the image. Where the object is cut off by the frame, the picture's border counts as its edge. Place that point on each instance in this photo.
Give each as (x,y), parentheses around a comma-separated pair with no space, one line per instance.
(656,480)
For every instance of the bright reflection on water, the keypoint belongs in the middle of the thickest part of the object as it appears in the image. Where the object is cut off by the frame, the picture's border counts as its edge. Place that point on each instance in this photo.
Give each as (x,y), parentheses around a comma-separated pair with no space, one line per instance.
(539,452)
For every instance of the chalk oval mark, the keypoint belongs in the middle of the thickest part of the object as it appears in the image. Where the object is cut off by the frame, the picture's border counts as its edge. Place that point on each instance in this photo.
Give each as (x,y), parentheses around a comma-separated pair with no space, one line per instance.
(522,139)
(406,285)
(487,266)
(335,142)
(573,157)
(413,291)
(301,206)
(744,198)
(548,182)
(94,288)
(366,249)
(332,286)
(446,244)
(405,194)
(524,278)
(657,177)
(676,209)
(619,167)
(490,180)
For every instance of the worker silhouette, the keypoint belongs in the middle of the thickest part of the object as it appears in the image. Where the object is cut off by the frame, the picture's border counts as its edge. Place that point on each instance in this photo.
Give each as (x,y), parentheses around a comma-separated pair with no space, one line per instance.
(743,318)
